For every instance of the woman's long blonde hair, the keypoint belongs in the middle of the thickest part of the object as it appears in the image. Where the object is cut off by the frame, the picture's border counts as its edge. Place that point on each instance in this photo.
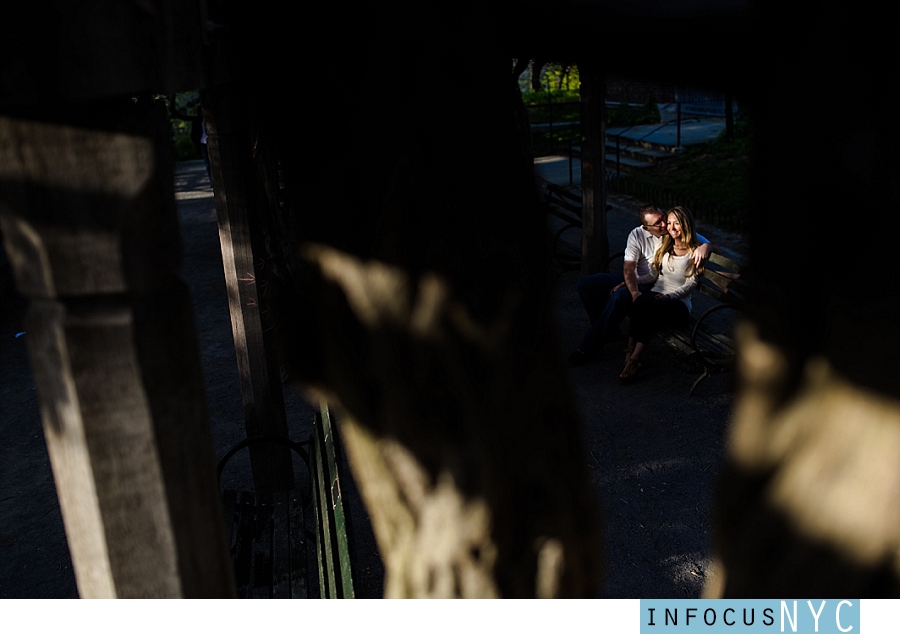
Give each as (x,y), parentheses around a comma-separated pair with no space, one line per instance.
(688,237)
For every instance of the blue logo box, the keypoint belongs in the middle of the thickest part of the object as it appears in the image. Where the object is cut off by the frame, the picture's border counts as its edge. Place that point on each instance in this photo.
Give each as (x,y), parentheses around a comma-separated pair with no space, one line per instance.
(750,616)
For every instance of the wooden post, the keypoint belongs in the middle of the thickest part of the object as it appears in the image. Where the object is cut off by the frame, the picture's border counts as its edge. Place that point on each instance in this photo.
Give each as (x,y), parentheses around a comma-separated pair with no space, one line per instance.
(594,238)
(239,227)
(89,221)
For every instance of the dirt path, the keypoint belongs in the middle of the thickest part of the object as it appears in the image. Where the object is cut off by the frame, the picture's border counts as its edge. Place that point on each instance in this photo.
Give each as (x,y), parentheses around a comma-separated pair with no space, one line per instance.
(653,452)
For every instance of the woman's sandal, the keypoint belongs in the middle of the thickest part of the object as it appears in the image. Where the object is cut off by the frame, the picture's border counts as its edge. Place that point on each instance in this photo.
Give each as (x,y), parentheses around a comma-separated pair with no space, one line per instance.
(630,371)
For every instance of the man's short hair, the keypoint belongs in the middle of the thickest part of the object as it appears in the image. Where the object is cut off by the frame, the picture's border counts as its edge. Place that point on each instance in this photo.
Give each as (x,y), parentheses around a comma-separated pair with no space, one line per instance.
(646,210)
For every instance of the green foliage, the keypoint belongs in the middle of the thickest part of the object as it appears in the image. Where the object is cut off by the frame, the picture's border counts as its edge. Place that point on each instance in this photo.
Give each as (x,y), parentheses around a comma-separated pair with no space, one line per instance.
(718,171)
(187,103)
(184,148)
(740,143)
(561,78)
(556,106)
(542,97)
(565,105)
(545,143)
(558,99)
(554,77)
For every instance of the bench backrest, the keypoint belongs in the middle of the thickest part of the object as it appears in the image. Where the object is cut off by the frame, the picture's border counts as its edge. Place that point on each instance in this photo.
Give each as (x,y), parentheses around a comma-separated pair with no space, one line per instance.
(562,203)
(724,279)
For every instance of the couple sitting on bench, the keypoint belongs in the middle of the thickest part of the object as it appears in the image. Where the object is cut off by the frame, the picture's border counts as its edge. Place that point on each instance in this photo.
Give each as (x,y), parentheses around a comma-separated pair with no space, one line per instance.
(663,258)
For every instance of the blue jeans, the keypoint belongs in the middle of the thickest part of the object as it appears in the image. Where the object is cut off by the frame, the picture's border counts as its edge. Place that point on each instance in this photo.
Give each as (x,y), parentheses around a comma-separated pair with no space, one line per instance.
(606,311)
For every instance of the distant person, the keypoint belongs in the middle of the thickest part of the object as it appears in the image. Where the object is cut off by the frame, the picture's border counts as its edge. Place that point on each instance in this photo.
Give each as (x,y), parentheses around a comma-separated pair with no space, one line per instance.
(668,302)
(204,150)
(198,131)
(607,297)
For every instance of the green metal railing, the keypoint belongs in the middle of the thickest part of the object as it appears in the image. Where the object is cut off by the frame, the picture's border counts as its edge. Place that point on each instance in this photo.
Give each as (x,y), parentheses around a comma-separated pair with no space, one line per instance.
(332,546)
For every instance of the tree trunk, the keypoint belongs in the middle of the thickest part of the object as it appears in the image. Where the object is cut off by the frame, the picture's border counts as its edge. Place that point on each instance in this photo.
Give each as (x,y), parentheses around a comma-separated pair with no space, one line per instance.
(810,499)
(537,67)
(809,503)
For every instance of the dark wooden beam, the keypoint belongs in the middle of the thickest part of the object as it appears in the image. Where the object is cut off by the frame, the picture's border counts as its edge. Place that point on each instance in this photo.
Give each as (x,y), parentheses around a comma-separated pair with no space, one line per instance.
(233,174)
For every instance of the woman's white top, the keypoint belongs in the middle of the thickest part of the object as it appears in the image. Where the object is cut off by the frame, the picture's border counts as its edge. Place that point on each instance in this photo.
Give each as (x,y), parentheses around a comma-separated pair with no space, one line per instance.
(673,281)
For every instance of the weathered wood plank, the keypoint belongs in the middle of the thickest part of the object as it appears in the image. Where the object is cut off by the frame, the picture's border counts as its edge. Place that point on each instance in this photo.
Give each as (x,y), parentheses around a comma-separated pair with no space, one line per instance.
(232,172)
(730,264)
(90,226)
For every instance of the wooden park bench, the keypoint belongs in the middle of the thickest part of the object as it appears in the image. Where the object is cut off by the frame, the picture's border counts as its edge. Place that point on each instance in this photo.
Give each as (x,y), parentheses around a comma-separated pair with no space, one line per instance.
(724,280)
(269,533)
(565,203)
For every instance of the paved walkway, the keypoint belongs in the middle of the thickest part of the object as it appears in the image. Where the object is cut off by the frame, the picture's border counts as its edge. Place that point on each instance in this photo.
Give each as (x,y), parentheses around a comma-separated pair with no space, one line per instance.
(670,134)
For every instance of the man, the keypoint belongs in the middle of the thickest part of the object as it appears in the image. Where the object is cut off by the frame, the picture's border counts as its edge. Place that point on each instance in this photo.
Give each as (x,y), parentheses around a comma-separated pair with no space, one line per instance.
(607,296)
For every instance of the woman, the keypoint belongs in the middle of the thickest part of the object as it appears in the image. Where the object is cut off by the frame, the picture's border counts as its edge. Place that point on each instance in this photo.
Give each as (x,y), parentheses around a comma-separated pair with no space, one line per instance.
(669,301)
